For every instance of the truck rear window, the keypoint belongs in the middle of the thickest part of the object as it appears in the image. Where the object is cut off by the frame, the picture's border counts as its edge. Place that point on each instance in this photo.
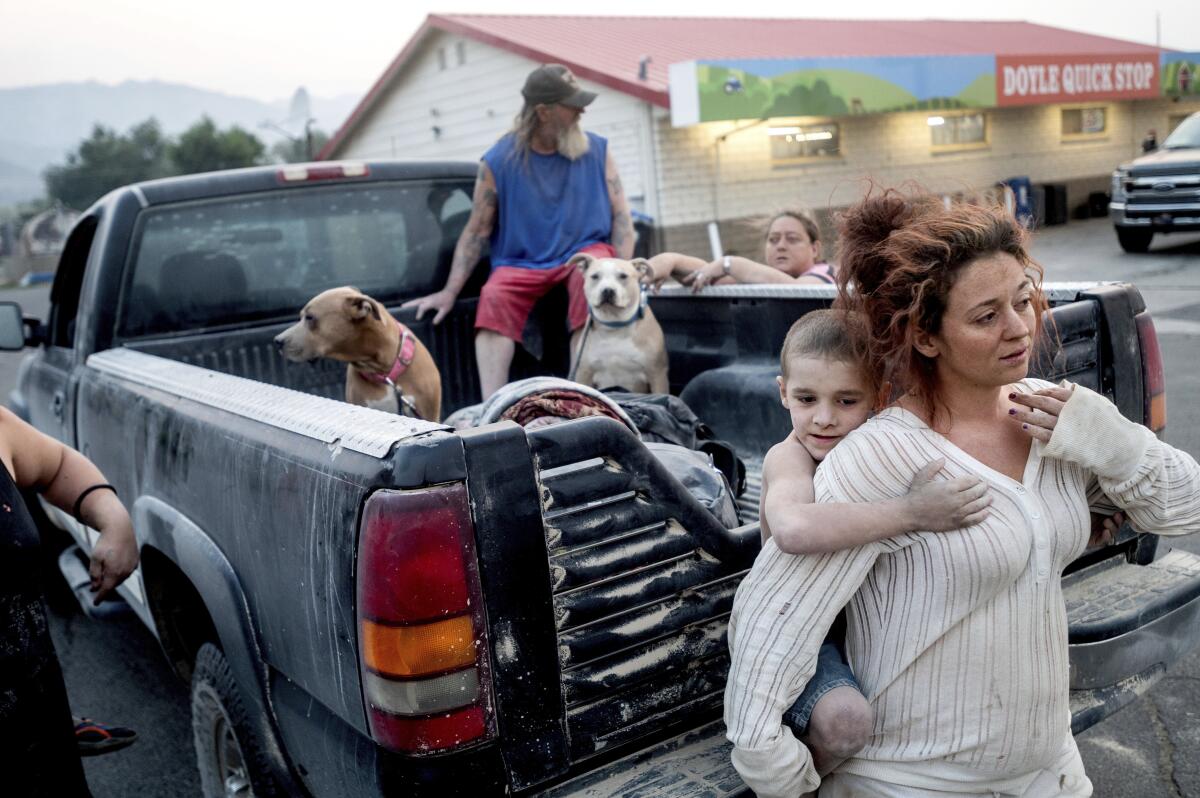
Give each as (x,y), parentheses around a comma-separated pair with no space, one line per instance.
(256,257)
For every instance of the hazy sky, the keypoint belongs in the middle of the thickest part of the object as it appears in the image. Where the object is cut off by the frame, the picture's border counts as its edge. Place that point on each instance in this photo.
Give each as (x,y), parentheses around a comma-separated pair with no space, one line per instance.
(266,48)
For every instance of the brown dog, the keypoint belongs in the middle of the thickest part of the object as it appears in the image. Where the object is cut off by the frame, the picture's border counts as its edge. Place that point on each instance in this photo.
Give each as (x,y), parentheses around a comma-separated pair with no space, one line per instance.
(624,345)
(386,364)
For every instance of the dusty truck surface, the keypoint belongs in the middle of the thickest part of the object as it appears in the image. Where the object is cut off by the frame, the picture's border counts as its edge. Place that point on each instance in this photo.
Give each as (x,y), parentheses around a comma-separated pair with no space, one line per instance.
(370,605)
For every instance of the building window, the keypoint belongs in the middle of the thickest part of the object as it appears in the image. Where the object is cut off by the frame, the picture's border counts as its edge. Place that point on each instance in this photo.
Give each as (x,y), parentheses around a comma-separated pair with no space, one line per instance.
(795,142)
(959,130)
(442,59)
(1084,122)
(460,51)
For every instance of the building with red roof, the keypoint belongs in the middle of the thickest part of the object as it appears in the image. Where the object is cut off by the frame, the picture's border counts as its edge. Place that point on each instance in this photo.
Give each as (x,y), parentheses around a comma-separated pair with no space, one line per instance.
(725,119)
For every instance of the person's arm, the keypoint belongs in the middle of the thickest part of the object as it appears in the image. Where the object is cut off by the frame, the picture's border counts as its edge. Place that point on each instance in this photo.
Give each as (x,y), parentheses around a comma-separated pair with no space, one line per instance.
(781,613)
(623,236)
(1156,485)
(61,475)
(744,270)
(671,264)
(467,251)
(801,526)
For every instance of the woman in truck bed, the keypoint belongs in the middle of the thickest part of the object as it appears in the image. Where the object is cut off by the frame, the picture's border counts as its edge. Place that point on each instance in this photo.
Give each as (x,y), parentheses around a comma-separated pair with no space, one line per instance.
(791,254)
(958,639)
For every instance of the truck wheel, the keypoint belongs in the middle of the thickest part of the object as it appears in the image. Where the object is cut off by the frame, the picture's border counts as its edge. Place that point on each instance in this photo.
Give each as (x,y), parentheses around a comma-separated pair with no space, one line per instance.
(228,756)
(1134,240)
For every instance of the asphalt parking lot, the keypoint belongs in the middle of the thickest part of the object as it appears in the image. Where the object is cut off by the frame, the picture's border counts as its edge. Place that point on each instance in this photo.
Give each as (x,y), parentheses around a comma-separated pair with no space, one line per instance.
(115,671)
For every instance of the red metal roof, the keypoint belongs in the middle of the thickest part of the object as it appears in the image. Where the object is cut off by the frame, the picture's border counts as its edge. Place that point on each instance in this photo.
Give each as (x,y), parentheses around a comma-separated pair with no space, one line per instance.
(608,50)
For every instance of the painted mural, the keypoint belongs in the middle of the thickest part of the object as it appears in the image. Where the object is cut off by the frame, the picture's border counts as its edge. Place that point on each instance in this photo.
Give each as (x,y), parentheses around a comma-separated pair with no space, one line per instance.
(842,86)
(1180,74)
(709,91)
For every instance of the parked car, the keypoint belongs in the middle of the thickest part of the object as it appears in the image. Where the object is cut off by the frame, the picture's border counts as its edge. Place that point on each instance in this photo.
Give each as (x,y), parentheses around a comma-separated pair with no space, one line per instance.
(369,605)
(1160,191)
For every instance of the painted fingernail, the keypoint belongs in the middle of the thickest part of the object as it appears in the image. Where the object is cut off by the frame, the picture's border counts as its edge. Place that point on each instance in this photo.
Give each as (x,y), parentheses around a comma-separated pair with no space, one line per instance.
(1012,411)
(1024,426)
(1012,396)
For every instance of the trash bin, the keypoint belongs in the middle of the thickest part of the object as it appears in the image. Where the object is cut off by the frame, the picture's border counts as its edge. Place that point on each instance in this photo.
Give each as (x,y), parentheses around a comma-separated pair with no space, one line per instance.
(1056,203)
(643,225)
(1037,202)
(1021,203)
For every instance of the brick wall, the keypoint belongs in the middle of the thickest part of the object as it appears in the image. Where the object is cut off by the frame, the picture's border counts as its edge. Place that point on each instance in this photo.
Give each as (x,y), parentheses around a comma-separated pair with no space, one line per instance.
(887,148)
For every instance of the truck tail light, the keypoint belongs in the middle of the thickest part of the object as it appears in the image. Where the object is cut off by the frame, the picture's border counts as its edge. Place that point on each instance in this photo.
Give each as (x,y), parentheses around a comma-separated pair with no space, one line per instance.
(421,629)
(1153,383)
(333,171)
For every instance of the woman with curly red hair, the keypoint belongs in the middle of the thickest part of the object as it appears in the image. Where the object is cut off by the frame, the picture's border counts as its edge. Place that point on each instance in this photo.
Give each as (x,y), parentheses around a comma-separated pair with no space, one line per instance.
(959,639)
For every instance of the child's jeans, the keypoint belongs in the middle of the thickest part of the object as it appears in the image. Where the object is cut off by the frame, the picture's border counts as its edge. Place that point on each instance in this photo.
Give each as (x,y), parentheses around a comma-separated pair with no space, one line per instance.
(832,671)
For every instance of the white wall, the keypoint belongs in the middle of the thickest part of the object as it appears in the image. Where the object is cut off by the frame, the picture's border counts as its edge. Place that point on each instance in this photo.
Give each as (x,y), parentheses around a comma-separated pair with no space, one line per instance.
(474,104)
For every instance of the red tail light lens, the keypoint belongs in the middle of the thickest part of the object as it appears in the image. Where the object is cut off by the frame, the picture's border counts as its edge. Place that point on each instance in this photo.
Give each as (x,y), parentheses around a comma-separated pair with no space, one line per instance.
(422,632)
(334,171)
(1154,384)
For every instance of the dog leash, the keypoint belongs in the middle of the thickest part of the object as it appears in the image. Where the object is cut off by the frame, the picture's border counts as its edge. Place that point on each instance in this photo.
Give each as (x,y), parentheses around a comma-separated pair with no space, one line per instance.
(587,327)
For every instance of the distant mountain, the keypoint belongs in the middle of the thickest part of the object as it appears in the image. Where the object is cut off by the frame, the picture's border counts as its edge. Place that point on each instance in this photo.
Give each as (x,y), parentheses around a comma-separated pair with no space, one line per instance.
(17,184)
(43,123)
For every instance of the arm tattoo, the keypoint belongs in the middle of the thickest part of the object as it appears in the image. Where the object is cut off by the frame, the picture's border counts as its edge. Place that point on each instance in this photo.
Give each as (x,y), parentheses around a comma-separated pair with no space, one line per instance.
(623,236)
(475,235)
(614,185)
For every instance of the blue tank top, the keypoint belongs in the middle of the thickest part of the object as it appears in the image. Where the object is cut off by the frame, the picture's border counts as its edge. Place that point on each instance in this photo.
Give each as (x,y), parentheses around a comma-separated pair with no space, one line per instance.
(549,207)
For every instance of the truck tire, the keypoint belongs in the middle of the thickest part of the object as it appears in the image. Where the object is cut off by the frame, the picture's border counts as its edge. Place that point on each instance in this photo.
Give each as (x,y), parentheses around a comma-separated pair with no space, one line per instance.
(228,755)
(1133,240)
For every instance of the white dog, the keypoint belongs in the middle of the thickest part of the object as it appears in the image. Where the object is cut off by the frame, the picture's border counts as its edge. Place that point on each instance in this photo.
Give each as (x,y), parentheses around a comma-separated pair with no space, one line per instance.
(624,346)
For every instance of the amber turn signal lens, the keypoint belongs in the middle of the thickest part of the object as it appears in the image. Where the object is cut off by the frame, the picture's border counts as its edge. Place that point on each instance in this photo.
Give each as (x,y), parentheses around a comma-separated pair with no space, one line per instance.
(419,649)
(1158,412)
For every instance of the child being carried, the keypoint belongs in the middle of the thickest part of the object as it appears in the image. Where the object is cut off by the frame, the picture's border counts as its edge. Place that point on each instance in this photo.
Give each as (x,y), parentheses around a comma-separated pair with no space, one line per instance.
(828,393)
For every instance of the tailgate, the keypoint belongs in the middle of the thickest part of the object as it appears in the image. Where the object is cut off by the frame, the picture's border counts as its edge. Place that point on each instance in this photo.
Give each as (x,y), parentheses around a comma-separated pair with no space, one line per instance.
(608,589)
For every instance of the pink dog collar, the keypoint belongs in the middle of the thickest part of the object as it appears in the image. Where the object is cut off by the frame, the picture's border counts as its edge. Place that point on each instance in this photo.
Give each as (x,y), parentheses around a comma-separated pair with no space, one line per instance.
(404,359)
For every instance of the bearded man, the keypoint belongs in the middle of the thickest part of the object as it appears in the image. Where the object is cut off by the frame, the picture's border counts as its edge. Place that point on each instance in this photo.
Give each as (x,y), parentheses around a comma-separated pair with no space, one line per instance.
(545,191)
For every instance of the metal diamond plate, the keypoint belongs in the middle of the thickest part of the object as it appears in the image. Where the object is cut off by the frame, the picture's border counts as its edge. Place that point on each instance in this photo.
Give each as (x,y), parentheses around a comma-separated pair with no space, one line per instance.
(335,423)
(1055,292)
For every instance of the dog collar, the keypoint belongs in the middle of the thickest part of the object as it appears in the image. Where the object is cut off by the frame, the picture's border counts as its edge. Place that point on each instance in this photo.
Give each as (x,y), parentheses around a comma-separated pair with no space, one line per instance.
(636,317)
(404,359)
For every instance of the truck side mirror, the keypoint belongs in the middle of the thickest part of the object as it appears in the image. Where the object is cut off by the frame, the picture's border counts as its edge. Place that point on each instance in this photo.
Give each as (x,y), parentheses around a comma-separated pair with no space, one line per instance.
(12,327)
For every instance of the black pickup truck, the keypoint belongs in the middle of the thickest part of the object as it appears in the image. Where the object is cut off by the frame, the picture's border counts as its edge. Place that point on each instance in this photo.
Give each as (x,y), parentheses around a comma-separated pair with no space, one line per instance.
(369,605)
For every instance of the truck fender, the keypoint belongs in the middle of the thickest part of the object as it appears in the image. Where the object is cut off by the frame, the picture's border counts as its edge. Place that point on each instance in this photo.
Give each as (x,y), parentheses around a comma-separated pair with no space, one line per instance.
(190,549)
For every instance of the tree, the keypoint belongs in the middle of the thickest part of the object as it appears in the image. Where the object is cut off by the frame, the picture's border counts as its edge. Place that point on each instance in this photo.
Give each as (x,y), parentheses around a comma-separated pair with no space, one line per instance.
(297,149)
(105,161)
(203,148)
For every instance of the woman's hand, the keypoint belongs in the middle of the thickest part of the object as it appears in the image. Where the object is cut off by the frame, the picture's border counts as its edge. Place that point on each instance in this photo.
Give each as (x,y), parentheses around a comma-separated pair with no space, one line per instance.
(662,266)
(706,275)
(945,505)
(1044,407)
(114,557)
(1105,528)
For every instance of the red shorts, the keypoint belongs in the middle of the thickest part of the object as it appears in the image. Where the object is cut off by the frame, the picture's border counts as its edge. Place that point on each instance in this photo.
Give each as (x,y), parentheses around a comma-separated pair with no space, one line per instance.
(510,293)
